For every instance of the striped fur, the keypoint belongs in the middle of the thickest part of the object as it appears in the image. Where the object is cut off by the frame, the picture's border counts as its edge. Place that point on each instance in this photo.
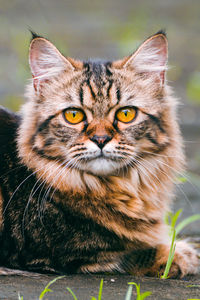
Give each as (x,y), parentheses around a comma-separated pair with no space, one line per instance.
(104,206)
(1,210)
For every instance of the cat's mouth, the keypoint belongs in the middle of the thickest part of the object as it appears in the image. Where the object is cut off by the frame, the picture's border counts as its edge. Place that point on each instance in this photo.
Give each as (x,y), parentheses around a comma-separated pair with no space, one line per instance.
(102,164)
(102,155)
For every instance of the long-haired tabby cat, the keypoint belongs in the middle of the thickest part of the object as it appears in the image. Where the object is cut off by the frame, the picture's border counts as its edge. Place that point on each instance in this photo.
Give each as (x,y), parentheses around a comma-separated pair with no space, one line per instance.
(87,167)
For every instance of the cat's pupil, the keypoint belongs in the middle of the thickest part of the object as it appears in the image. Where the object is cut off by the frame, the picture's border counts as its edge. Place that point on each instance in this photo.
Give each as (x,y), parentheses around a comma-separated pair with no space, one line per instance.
(74,114)
(126,112)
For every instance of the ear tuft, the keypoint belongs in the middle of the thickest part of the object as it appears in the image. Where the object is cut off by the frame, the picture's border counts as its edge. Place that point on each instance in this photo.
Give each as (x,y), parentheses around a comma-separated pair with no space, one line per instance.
(151,57)
(161,31)
(34,35)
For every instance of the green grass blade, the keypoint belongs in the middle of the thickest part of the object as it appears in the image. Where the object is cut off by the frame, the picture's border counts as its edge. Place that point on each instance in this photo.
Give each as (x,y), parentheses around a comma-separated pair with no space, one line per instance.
(46,289)
(186,222)
(72,293)
(20,297)
(100,290)
(182,179)
(139,295)
(129,293)
(138,292)
(137,289)
(166,219)
(170,219)
(175,218)
(44,292)
(170,257)
(145,295)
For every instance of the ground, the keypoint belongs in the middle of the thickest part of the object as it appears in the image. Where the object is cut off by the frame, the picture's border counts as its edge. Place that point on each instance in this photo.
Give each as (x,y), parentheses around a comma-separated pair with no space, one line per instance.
(87,286)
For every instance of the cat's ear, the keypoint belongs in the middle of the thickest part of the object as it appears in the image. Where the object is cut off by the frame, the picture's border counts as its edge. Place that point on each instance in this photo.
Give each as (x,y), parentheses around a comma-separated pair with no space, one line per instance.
(46,61)
(150,58)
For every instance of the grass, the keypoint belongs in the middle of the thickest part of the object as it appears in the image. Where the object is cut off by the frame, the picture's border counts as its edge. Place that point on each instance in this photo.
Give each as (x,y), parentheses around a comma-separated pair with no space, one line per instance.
(128,296)
(171,220)
(72,293)
(139,295)
(170,257)
(100,291)
(47,289)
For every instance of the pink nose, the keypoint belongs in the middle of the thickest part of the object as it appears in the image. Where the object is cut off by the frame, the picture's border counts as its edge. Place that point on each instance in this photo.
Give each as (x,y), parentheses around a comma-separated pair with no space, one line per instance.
(101,140)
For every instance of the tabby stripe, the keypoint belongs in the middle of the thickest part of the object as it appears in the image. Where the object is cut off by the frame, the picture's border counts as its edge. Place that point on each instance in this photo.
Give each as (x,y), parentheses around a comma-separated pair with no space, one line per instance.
(122,148)
(91,90)
(97,70)
(156,121)
(77,144)
(60,134)
(43,155)
(86,66)
(77,155)
(85,127)
(118,95)
(45,123)
(123,143)
(1,209)
(143,258)
(109,87)
(81,93)
(108,71)
(83,148)
(49,142)
(151,139)
(41,127)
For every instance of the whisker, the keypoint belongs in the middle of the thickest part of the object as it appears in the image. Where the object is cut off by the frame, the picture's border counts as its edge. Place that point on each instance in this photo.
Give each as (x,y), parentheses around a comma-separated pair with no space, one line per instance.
(161,155)
(180,189)
(180,173)
(51,185)
(12,170)
(18,187)
(48,190)
(32,193)
(74,165)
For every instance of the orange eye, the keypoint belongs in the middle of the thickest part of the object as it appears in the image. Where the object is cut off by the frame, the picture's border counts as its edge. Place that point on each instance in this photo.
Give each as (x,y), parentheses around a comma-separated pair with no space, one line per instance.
(74,116)
(126,114)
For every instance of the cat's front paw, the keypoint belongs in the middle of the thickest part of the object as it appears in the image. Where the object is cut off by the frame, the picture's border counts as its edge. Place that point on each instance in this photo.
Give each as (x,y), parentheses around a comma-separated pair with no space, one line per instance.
(185,261)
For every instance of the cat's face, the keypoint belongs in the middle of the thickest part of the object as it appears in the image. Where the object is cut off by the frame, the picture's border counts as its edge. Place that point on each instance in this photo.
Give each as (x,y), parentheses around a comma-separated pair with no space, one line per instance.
(99,117)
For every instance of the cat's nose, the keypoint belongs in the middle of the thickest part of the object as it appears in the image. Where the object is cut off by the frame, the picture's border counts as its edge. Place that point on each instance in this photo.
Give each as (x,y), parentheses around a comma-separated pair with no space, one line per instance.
(100,140)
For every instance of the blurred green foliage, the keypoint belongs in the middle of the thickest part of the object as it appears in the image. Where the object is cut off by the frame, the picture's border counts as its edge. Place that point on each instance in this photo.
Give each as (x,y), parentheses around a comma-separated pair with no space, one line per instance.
(174,71)
(193,87)
(12,102)
(127,35)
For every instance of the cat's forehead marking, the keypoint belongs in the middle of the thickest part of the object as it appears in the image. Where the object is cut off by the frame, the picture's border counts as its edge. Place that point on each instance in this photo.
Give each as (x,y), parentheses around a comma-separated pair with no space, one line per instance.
(98,91)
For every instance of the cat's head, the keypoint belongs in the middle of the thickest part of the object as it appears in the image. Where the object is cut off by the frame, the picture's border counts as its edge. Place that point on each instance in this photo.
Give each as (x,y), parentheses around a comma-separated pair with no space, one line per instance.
(98,117)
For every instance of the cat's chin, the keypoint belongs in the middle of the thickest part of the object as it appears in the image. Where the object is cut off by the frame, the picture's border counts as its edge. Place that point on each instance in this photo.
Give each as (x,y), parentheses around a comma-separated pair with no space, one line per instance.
(101,166)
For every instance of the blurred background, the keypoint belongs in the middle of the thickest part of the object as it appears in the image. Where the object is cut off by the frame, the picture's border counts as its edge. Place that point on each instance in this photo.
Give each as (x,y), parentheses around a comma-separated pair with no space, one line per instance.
(112,29)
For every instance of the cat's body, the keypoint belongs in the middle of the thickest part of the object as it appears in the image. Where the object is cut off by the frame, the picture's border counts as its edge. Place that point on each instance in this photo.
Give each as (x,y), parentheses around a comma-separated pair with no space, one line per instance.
(87,169)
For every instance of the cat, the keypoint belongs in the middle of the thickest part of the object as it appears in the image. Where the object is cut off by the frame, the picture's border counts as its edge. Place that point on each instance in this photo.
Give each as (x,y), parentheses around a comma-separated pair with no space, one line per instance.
(88,166)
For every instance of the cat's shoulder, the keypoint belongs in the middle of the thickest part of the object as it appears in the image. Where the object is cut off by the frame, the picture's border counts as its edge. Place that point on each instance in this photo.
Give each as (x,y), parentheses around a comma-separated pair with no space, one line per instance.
(9,123)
